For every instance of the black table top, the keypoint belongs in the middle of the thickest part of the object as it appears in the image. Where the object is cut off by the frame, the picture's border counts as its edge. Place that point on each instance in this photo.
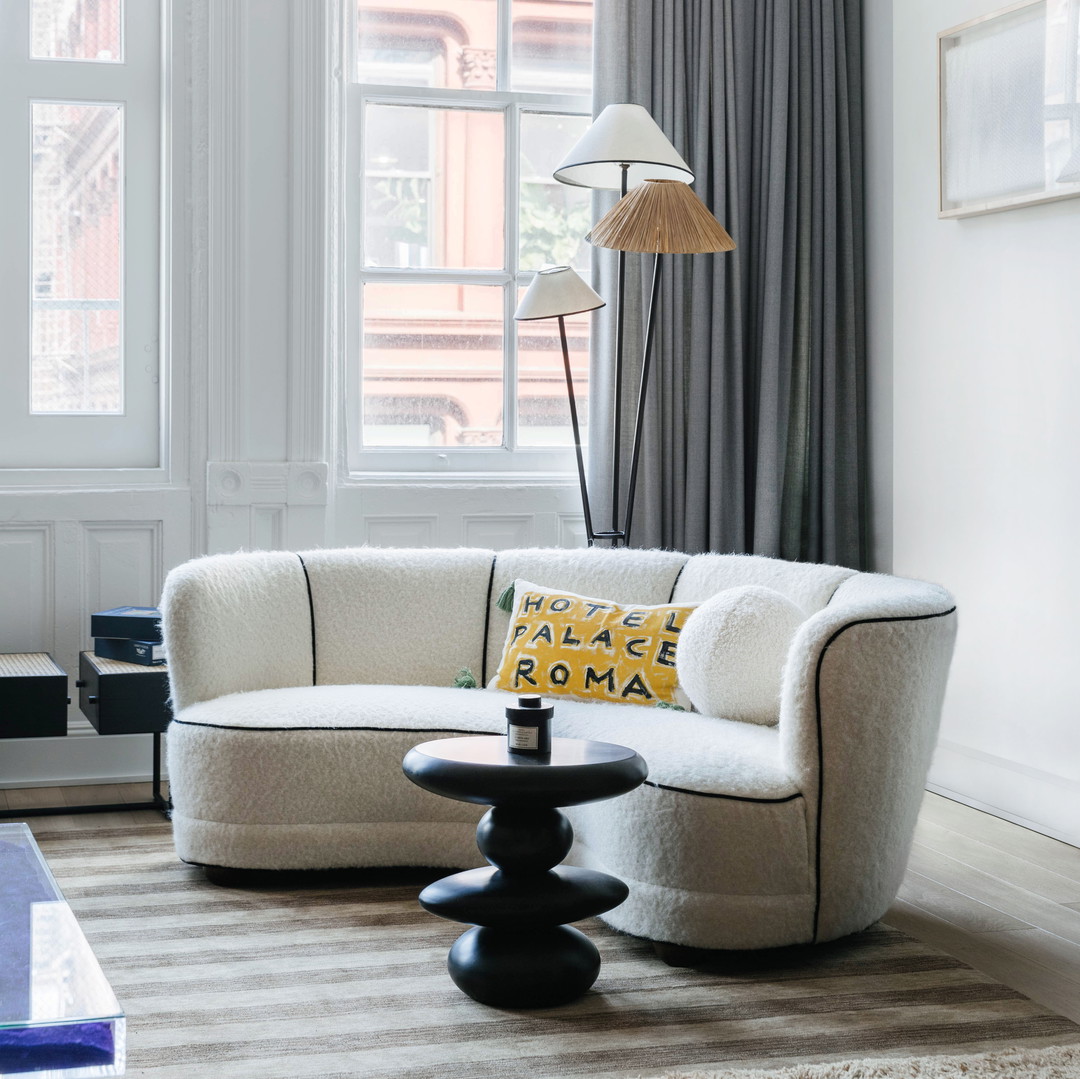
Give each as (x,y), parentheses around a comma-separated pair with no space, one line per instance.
(482,770)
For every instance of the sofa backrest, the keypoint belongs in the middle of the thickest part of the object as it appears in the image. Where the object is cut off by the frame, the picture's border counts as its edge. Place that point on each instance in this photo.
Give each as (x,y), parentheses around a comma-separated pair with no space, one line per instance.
(269,619)
(235,622)
(808,584)
(390,616)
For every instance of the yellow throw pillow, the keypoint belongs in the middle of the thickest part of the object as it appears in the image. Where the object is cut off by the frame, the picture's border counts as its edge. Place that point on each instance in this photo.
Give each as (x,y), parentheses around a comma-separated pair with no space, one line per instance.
(562,643)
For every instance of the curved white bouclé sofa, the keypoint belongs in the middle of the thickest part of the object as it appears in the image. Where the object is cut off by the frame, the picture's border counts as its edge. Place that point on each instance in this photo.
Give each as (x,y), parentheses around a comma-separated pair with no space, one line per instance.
(299,681)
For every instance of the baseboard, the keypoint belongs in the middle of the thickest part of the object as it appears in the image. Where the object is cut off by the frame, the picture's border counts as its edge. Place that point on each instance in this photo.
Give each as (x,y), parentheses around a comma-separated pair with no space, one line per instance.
(1030,797)
(119,781)
(77,760)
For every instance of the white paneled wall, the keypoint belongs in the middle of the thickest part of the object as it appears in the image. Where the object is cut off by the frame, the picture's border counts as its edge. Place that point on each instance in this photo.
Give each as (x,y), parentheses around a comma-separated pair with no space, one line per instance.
(26,587)
(251,338)
(403,530)
(120,560)
(498,516)
(64,555)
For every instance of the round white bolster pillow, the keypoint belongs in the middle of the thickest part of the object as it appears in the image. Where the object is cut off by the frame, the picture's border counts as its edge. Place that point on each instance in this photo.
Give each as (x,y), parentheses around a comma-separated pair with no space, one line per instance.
(732,651)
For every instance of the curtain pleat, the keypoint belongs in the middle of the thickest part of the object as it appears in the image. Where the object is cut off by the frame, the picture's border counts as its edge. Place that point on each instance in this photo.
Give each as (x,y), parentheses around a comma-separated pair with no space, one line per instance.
(754,436)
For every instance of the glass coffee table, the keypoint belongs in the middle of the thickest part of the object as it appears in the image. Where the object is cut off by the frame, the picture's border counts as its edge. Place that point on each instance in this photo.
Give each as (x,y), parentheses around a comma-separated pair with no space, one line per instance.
(58,1015)
(520,953)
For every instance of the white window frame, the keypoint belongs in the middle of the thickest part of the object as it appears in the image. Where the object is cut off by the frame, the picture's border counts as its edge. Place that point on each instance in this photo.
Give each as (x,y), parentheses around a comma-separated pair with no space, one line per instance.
(137,83)
(445,462)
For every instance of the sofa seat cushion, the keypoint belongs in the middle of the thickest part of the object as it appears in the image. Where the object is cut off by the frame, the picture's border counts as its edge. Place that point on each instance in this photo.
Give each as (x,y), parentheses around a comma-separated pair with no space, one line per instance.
(684,750)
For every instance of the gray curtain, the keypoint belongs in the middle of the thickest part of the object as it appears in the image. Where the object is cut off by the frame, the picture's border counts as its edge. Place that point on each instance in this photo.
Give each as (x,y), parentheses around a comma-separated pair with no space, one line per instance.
(754,437)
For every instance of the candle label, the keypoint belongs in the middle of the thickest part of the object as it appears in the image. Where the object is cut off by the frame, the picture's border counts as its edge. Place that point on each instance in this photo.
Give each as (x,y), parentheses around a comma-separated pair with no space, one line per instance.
(522,737)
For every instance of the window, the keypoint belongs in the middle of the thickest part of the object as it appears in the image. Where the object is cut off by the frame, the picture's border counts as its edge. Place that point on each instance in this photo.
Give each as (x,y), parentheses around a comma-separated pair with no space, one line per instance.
(79,127)
(455,123)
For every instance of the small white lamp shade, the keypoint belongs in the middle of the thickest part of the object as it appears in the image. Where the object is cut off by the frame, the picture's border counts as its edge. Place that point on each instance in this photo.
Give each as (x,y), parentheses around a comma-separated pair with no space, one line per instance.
(621,135)
(556,290)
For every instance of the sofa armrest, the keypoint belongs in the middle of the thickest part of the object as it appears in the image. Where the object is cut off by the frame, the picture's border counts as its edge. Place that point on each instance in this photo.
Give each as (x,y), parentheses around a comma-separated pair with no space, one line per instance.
(860,707)
(236,622)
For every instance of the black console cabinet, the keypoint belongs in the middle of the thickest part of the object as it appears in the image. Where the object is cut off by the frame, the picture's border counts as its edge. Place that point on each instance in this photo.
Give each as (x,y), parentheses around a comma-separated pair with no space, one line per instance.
(117,698)
(123,698)
(33,696)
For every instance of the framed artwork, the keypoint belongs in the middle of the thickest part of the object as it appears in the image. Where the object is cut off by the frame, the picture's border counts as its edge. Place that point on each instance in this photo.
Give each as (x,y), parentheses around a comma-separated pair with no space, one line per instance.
(1009,108)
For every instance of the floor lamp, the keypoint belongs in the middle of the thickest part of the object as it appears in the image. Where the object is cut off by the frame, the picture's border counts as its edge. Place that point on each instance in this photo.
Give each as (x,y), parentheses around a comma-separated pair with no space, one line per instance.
(623,146)
(659,217)
(555,292)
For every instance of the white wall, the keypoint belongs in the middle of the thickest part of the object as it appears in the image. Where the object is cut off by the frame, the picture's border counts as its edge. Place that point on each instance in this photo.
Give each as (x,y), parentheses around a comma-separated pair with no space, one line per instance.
(878,130)
(985,359)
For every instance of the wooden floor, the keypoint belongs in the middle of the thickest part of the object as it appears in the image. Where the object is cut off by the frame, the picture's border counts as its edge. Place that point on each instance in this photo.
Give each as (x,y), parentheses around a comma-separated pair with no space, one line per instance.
(101,794)
(997,896)
(993,894)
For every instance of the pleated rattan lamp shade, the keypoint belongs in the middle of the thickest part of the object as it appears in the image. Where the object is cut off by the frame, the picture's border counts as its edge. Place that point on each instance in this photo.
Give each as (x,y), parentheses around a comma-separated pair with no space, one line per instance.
(661,217)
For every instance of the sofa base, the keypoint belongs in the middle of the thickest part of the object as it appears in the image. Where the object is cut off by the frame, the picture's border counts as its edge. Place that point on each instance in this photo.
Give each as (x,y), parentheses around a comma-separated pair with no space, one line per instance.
(707,920)
(442,844)
(702,920)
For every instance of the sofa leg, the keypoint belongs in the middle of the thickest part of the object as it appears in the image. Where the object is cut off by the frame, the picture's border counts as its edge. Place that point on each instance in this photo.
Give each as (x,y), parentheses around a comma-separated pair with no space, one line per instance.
(679,955)
(747,960)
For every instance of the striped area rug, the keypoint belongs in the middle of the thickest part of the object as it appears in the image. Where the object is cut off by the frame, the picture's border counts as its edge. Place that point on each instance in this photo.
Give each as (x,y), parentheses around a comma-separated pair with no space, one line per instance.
(342,976)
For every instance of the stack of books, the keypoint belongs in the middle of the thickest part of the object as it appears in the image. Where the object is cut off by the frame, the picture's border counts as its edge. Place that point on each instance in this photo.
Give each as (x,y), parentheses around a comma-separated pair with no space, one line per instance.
(131,634)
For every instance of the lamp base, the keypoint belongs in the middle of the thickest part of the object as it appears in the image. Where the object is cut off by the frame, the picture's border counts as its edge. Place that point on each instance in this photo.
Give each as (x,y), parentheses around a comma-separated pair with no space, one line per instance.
(616,536)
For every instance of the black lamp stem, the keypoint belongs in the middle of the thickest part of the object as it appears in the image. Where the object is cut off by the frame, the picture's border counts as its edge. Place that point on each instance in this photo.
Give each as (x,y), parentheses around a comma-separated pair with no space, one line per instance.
(616,434)
(577,431)
(646,363)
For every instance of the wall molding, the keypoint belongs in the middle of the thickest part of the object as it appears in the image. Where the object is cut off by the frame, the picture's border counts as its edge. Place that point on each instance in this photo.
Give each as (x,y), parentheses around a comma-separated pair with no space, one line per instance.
(570,530)
(499,531)
(28,553)
(260,483)
(400,530)
(309,98)
(188,318)
(1032,797)
(227,239)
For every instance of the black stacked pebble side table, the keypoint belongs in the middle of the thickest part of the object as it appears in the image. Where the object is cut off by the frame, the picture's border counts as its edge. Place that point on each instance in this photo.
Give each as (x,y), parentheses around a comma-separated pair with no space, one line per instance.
(520,952)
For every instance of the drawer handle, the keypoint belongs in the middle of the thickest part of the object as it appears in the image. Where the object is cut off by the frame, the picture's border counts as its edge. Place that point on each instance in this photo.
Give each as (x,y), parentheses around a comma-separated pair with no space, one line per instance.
(80,683)
(91,700)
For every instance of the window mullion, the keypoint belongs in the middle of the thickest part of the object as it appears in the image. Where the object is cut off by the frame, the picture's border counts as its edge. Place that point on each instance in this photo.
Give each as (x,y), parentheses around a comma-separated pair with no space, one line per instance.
(513,186)
(502,58)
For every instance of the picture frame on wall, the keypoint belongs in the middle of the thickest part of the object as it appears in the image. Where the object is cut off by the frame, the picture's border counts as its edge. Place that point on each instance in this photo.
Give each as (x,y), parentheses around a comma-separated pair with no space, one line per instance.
(1009,108)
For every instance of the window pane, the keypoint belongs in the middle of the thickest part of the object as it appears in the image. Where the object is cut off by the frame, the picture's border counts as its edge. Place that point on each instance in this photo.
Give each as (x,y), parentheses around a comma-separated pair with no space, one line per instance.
(554,217)
(543,406)
(76,30)
(433,365)
(552,46)
(433,187)
(76,263)
(454,48)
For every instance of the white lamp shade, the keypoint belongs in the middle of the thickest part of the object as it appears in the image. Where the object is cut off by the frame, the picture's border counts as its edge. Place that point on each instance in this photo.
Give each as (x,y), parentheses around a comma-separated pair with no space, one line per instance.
(622,135)
(556,290)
